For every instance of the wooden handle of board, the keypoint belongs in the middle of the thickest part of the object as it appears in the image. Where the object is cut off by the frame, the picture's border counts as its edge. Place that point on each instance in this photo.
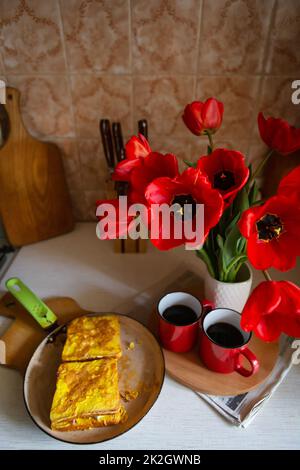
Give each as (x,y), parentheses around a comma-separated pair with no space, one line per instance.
(21,338)
(17,131)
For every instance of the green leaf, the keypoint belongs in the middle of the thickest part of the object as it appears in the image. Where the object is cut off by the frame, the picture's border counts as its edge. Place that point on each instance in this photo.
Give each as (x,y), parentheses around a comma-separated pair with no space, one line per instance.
(241,245)
(221,267)
(224,221)
(190,164)
(233,269)
(213,249)
(229,251)
(258,202)
(220,241)
(232,223)
(241,202)
(253,193)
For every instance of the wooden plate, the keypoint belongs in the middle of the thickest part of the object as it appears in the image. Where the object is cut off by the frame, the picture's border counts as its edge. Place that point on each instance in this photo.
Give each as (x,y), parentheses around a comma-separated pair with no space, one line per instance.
(140,369)
(188,369)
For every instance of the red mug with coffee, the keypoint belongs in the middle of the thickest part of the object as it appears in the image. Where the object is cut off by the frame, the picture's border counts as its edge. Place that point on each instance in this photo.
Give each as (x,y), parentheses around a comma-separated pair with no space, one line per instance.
(179,318)
(223,343)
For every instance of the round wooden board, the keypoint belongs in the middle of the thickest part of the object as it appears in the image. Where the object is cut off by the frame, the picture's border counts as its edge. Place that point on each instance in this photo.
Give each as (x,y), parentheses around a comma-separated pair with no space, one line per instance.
(188,369)
(140,369)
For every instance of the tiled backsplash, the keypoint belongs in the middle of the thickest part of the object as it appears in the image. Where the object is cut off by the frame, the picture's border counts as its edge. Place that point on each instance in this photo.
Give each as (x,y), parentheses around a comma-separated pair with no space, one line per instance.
(76,61)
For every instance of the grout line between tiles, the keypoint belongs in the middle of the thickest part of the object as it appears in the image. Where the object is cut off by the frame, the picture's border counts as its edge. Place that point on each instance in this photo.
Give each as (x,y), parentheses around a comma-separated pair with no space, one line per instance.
(131,66)
(62,34)
(156,75)
(62,37)
(198,41)
(262,76)
(268,39)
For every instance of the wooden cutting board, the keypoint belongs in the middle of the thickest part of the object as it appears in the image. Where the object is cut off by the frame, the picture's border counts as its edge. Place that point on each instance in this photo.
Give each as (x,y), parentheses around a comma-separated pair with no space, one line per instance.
(34,199)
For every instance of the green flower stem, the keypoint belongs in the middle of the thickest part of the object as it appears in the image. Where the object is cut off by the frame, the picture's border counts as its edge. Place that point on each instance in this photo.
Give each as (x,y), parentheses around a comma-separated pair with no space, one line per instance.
(267,275)
(261,165)
(211,143)
(239,260)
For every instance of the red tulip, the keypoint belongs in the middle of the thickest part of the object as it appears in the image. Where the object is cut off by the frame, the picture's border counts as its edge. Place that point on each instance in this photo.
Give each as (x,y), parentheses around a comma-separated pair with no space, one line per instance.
(273,308)
(152,166)
(136,149)
(119,224)
(191,187)
(278,134)
(142,166)
(201,118)
(273,233)
(226,170)
(289,186)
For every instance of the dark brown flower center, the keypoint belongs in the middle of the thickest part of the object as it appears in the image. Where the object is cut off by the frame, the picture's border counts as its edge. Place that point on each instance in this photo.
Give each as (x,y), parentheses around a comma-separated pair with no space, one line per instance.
(269,227)
(224,180)
(187,212)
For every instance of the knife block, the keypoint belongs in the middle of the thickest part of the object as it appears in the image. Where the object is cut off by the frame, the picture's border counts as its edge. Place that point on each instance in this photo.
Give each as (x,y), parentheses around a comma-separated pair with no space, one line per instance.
(127,245)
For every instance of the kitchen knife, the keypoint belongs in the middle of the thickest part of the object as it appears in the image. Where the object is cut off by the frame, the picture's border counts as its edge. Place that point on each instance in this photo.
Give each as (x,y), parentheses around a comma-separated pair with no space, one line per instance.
(143,127)
(118,139)
(121,186)
(107,143)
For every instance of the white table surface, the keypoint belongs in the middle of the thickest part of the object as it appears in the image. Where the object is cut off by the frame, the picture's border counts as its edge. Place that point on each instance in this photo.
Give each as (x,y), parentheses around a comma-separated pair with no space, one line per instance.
(80,266)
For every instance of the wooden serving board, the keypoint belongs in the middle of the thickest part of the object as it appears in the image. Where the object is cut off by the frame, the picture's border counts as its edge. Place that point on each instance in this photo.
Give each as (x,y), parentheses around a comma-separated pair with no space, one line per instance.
(188,369)
(34,199)
(21,339)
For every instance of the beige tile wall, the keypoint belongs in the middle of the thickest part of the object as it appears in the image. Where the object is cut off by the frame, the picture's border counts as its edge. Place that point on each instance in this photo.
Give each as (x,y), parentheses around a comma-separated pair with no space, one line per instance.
(76,61)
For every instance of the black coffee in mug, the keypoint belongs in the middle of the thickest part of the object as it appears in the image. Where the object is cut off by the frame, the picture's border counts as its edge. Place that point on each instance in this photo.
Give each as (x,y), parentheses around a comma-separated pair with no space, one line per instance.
(225,334)
(180,315)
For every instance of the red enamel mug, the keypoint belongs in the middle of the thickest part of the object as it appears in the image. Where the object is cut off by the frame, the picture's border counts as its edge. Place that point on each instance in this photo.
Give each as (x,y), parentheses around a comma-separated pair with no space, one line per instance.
(213,352)
(178,337)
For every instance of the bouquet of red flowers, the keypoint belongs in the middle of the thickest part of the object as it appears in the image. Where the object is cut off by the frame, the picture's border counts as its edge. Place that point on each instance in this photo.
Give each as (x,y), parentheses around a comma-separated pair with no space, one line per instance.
(238,225)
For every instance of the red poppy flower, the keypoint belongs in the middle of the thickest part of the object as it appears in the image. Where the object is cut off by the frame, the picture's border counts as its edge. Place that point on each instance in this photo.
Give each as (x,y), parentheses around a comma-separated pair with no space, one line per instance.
(118,223)
(226,170)
(273,233)
(136,148)
(289,186)
(201,117)
(191,187)
(273,308)
(153,166)
(278,134)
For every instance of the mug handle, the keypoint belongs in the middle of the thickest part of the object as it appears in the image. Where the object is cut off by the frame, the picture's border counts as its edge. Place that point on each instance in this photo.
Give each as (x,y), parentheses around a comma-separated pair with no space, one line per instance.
(207,305)
(252,360)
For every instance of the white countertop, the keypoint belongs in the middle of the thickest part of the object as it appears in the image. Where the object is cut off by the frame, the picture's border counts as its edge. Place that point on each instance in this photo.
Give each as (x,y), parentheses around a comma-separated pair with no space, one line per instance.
(80,266)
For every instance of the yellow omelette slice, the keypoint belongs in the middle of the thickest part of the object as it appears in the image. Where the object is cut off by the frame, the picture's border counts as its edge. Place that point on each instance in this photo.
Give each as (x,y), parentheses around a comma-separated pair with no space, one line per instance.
(92,337)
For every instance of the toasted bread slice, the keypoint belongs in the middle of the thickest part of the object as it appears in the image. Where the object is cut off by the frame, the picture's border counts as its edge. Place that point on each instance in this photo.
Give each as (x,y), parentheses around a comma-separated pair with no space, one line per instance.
(92,337)
(81,424)
(85,390)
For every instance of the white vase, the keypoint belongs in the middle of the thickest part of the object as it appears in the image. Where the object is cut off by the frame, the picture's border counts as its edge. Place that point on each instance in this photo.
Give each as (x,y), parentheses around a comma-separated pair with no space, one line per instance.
(229,294)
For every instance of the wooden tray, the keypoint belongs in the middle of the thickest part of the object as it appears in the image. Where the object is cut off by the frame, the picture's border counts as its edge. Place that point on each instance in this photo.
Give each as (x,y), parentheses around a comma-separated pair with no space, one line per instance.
(188,369)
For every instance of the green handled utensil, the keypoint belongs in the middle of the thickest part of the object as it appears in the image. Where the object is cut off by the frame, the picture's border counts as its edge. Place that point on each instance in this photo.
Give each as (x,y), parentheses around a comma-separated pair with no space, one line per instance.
(31,302)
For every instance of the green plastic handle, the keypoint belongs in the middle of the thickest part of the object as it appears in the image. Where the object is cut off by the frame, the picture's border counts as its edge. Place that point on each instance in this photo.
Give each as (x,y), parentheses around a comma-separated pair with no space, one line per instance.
(33,304)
